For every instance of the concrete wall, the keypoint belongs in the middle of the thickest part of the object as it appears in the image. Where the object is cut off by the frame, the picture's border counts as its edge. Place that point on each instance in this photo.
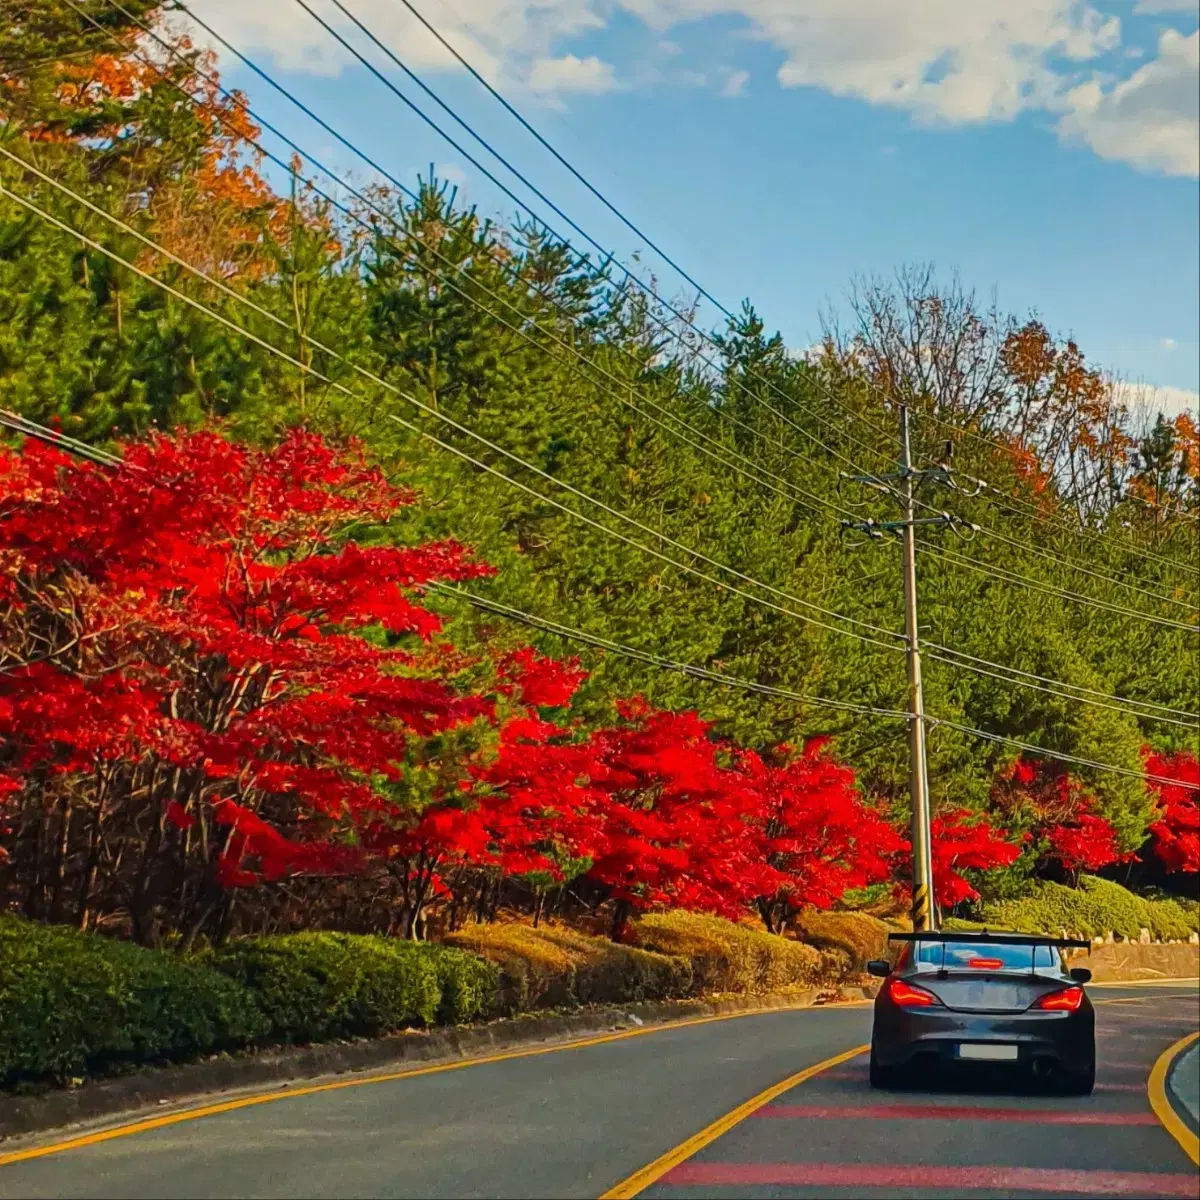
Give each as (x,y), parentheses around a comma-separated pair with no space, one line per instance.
(1117,961)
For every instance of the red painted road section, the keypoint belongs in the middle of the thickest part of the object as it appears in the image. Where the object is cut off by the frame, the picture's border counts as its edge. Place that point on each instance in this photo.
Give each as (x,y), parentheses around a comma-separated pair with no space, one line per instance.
(958,1135)
(954,1112)
(1148,1184)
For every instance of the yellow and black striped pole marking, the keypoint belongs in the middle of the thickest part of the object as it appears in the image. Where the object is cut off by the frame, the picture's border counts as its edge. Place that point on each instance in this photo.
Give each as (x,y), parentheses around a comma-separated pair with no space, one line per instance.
(922,914)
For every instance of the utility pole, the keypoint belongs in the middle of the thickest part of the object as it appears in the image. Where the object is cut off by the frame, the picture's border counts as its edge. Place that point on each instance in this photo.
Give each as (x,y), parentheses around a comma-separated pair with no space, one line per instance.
(918,780)
(923,912)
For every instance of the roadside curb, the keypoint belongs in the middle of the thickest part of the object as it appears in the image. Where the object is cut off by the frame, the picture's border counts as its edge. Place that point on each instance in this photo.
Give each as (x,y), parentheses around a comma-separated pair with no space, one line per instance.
(1181,1085)
(164,1089)
(1169,1107)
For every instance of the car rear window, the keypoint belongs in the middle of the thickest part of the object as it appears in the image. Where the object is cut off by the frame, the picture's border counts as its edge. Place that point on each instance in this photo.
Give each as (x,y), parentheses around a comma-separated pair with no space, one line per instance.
(975,956)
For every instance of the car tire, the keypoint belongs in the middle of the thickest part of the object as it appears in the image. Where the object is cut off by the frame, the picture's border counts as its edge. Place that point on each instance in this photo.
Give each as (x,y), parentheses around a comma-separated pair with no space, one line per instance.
(884,1077)
(1079,1083)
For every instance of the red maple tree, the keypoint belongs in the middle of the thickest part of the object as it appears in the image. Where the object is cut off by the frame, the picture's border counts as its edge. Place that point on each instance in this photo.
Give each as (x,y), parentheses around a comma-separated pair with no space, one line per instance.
(1057,814)
(1176,832)
(184,688)
(814,831)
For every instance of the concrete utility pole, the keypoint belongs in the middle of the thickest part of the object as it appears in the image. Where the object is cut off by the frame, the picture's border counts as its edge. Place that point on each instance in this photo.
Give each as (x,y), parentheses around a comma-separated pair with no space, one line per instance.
(923,912)
(918,779)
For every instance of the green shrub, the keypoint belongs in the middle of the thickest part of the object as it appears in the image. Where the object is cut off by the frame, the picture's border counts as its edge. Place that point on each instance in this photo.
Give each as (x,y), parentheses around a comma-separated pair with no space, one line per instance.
(469,984)
(317,986)
(1095,908)
(72,1003)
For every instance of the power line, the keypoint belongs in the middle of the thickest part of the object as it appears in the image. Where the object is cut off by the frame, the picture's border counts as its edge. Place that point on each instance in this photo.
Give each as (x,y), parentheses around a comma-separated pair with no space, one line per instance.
(620,383)
(442,417)
(460,453)
(656,660)
(1017,580)
(53,437)
(702,673)
(795,492)
(393,57)
(241,299)
(1010,501)
(629,275)
(668,664)
(470,298)
(1192,724)
(792,492)
(570,633)
(547,146)
(1183,712)
(1030,748)
(554,152)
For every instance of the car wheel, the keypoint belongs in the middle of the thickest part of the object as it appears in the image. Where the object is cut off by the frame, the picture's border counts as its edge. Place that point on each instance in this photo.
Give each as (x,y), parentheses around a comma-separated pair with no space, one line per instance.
(1079,1083)
(884,1077)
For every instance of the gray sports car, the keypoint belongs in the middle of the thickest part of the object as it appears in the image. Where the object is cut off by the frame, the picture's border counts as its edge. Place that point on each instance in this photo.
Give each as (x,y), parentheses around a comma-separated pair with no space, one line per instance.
(986,998)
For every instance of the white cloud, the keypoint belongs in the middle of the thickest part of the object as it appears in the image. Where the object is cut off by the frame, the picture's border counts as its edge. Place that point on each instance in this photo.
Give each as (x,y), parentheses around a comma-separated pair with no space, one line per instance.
(1163,6)
(451,174)
(1170,401)
(1167,344)
(735,85)
(955,61)
(1151,119)
(946,59)
(502,40)
(571,74)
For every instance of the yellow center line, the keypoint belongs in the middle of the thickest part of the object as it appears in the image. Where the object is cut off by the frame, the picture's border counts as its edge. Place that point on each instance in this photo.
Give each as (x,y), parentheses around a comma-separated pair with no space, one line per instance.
(1164,1110)
(649,1175)
(225,1106)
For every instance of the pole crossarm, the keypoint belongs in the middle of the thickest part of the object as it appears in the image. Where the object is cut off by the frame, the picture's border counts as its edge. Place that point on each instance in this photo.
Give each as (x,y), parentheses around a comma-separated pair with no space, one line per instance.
(878,529)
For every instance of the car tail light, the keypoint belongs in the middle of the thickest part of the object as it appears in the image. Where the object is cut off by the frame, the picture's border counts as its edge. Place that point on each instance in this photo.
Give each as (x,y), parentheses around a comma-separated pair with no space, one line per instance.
(986,964)
(908,996)
(1068,1000)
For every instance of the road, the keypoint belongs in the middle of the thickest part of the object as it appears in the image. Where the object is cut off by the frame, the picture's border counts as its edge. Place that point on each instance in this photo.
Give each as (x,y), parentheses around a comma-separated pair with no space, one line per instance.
(577,1121)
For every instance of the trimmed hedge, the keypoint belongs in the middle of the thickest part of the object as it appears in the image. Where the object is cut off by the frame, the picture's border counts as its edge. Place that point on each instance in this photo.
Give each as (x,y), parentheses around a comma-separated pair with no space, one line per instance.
(554,967)
(470,985)
(72,1004)
(858,935)
(75,1004)
(1095,908)
(726,957)
(316,986)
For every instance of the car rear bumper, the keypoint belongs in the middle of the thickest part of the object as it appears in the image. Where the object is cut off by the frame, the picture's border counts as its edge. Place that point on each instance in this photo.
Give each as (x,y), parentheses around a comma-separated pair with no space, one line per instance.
(1066,1039)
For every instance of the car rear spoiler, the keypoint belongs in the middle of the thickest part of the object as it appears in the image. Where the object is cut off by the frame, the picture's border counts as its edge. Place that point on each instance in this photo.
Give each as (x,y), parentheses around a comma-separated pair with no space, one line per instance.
(995,939)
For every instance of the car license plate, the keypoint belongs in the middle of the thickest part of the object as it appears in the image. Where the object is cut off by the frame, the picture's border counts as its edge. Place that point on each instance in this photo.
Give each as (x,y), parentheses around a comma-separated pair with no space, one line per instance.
(987,1050)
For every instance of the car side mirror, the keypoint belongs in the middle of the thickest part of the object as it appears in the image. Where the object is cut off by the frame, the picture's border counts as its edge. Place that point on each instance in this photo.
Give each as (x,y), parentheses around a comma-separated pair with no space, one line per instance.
(1080,974)
(880,967)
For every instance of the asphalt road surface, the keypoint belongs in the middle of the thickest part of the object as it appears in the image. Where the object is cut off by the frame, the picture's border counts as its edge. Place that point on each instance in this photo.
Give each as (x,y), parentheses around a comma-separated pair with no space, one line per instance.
(681,1112)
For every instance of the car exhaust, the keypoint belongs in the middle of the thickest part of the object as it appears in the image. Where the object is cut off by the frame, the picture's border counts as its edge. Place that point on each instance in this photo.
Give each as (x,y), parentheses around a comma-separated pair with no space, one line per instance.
(1043,1067)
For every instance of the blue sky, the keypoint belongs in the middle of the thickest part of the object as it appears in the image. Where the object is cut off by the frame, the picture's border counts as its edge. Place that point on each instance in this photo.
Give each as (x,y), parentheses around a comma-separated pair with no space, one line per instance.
(1044,149)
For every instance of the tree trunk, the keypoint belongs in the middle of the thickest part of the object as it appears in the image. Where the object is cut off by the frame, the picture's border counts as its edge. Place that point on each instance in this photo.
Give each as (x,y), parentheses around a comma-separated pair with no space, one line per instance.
(619,918)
